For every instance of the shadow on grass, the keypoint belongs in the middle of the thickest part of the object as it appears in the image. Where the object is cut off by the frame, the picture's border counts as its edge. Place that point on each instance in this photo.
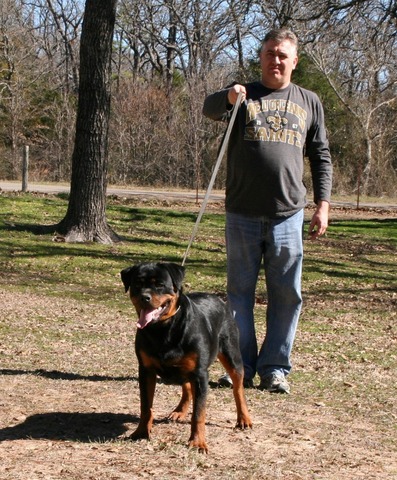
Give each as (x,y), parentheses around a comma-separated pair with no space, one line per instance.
(74,426)
(151,240)
(57,375)
(77,427)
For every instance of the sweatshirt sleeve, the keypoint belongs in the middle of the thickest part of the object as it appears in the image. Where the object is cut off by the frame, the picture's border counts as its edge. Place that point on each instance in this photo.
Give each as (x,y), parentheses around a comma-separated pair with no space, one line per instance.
(216,106)
(317,150)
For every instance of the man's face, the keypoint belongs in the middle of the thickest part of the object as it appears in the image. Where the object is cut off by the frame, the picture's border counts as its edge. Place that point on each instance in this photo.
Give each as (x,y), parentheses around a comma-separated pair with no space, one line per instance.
(278,60)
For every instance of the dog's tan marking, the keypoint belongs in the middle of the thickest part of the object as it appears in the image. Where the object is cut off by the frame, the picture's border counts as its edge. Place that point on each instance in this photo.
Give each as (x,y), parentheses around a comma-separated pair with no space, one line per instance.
(243,417)
(148,361)
(185,364)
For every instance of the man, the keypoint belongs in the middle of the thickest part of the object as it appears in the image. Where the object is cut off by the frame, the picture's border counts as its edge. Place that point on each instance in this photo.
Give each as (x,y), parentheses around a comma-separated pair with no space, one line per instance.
(277,124)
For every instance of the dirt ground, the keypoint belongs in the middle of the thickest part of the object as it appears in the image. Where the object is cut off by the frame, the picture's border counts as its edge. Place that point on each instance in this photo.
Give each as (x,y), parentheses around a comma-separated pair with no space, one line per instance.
(69,398)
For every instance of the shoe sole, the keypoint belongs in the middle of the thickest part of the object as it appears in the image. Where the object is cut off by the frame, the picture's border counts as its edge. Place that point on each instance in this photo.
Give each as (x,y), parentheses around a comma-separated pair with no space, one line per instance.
(274,389)
(279,390)
(226,384)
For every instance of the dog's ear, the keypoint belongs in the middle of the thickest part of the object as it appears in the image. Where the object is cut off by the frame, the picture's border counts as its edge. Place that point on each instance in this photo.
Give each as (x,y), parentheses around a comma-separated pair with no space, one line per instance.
(126,275)
(177,273)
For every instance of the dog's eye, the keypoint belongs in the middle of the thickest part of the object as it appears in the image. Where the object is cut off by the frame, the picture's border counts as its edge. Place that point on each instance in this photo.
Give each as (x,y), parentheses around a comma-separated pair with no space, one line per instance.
(156,283)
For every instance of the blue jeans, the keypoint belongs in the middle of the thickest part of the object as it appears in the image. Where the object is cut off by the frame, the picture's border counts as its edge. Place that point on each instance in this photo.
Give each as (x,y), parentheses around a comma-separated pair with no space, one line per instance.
(279,243)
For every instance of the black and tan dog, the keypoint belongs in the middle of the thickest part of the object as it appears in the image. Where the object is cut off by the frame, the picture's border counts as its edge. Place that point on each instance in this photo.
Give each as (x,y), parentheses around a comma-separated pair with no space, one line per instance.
(179,336)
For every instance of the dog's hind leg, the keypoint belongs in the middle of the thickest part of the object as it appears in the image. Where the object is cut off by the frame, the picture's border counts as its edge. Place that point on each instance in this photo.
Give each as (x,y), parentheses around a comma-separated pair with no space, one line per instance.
(236,373)
(199,393)
(180,411)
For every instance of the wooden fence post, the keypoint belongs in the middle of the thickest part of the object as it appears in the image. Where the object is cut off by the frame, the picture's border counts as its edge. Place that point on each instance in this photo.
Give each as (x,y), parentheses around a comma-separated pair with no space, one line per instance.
(25,168)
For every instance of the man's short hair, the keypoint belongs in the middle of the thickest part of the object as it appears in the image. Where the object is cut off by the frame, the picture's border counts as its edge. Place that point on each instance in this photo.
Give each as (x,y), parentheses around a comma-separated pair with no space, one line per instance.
(281,34)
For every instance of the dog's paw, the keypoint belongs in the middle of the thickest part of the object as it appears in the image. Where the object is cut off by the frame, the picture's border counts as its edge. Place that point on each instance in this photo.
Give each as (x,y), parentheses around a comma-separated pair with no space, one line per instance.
(139,434)
(177,416)
(198,444)
(244,422)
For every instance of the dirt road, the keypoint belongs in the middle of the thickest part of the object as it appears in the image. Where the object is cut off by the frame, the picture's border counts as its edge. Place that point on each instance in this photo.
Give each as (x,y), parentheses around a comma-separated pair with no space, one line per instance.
(185,195)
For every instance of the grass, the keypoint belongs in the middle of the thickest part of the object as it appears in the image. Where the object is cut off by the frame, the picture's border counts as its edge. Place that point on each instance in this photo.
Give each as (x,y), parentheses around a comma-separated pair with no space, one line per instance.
(148,234)
(349,275)
(353,267)
(345,356)
(356,261)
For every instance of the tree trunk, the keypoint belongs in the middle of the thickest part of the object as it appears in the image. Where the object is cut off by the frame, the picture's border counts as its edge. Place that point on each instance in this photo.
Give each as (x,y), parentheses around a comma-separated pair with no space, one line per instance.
(85,218)
(368,165)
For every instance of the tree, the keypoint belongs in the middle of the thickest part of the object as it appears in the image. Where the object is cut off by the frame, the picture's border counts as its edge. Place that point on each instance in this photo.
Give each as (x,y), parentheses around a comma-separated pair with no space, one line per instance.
(58,22)
(85,218)
(353,44)
(21,75)
(167,55)
(357,57)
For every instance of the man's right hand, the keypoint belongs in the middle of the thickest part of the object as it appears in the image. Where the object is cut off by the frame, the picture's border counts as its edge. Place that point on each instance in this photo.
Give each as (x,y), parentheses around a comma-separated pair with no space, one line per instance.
(233,93)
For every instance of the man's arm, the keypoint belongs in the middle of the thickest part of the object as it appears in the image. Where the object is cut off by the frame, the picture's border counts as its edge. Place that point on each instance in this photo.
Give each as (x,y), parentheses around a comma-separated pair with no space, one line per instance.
(218,105)
(215,105)
(319,223)
(321,170)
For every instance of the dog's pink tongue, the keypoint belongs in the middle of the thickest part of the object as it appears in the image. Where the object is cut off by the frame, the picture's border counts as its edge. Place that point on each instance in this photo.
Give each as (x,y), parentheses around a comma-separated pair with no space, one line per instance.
(146,316)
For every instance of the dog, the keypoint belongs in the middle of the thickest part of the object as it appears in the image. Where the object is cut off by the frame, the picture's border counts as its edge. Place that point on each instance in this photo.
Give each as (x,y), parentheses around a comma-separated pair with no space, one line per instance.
(178,337)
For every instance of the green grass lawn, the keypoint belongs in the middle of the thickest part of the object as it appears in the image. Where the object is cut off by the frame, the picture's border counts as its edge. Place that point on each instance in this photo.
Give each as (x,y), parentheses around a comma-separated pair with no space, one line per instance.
(356,255)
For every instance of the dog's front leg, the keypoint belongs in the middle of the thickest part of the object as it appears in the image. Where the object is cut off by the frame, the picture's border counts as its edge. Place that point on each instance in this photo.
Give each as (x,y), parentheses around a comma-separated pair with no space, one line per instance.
(180,411)
(147,386)
(199,392)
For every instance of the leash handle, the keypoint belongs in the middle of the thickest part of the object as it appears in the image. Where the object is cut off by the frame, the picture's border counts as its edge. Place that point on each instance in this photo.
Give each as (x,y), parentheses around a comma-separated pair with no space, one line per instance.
(214,174)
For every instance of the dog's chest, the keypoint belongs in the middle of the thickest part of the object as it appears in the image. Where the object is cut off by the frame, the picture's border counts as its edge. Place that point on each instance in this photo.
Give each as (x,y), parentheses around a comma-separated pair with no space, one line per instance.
(172,360)
(173,366)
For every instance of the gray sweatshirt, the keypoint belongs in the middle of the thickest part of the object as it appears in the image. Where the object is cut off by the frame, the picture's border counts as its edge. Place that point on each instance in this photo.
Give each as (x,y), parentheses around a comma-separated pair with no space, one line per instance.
(273,131)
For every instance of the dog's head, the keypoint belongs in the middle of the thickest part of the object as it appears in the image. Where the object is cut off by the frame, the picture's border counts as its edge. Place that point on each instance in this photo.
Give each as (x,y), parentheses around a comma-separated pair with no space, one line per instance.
(154,290)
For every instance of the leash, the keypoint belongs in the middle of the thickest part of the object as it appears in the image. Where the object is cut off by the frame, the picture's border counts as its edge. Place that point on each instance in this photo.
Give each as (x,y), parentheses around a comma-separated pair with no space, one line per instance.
(214,174)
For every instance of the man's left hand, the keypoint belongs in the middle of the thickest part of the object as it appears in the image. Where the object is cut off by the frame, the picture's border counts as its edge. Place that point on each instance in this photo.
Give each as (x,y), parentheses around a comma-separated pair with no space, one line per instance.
(319,224)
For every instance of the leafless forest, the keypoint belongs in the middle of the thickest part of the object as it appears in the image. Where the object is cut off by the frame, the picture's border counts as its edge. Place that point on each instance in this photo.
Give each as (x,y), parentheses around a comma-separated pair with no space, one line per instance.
(167,55)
